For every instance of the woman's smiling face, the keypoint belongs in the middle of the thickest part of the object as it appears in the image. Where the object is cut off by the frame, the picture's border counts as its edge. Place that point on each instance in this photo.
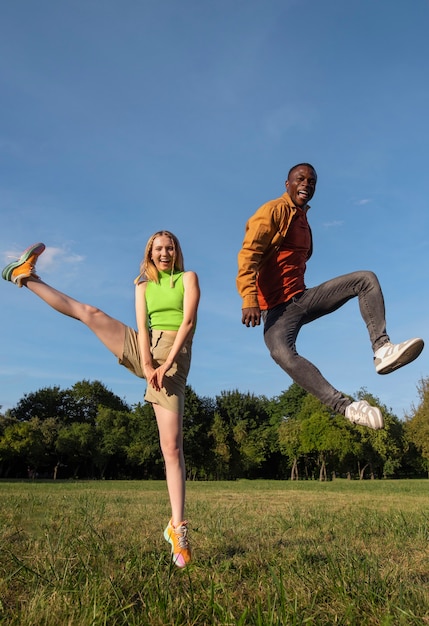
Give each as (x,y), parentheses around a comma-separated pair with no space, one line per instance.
(163,253)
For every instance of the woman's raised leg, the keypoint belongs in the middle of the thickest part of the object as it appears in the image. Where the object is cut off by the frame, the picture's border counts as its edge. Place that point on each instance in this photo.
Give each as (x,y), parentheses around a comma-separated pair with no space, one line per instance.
(110,331)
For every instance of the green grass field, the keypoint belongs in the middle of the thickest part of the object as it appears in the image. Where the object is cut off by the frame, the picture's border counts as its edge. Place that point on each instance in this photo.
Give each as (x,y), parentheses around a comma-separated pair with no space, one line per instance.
(265,553)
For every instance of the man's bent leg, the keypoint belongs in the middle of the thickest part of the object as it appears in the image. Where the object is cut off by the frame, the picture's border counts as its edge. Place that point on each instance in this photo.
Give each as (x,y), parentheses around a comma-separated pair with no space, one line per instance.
(281,327)
(333,294)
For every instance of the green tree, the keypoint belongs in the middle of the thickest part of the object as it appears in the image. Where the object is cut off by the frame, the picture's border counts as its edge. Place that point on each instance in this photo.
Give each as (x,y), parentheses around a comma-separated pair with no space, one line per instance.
(88,396)
(220,434)
(143,451)
(28,445)
(113,434)
(381,451)
(245,431)
(289,403)
(75,444)
(417,425)
(197,438)
(16,444)
(45,458)
(325,435)
(44,403)
(289,433)
(251,438)
(285,409)
(78,404)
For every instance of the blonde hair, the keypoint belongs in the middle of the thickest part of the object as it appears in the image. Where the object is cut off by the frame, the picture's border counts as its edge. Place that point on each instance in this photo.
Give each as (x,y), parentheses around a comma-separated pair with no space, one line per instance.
(148,269)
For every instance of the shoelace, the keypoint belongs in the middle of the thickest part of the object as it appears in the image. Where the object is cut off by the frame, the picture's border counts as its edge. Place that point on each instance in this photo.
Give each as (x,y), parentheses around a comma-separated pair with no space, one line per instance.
(361,413)
(181,533)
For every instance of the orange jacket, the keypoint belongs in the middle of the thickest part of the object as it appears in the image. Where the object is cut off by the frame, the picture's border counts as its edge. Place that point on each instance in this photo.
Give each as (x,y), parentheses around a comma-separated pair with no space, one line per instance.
(264,233)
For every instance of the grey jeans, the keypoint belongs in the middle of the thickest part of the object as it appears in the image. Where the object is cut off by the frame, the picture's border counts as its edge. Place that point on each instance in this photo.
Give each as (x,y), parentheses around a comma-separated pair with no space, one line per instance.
(283,323)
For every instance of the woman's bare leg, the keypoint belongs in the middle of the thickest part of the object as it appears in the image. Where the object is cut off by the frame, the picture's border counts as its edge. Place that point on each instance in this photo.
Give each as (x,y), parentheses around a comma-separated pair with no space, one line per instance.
(171,440)
(110,331)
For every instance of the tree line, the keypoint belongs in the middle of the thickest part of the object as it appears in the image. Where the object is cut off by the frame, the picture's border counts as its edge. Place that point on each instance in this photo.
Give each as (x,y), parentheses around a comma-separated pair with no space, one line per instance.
(88,432)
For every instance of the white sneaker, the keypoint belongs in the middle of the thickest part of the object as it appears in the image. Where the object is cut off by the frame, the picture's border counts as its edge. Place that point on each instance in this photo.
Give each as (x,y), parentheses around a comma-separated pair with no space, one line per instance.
(392,356)
(364,414)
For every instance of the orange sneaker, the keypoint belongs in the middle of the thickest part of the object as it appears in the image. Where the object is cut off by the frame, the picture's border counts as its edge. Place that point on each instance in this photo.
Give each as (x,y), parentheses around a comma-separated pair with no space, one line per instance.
(180,548)
(24,268)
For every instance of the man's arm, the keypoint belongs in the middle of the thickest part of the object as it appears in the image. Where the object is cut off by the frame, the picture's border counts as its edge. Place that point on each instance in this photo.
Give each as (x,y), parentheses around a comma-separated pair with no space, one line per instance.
(261,234)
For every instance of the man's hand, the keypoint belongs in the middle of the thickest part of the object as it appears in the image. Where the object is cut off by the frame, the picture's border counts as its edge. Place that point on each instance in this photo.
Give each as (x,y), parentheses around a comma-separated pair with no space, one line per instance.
(251,316)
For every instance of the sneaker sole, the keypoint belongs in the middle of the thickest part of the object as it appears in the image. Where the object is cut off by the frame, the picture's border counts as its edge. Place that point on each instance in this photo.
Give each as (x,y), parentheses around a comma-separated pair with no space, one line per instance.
(36,248)
(409,355)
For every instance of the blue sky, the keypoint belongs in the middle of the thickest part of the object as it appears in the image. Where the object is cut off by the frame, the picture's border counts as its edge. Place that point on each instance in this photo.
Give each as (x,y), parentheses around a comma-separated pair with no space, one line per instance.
(122,118)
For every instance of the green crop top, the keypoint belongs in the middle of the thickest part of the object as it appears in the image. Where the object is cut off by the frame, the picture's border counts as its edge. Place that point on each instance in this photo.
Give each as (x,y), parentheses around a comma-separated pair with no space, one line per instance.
(165,303)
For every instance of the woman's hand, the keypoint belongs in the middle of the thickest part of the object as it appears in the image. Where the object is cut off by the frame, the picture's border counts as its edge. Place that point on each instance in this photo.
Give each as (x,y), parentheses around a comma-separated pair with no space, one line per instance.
(156,378)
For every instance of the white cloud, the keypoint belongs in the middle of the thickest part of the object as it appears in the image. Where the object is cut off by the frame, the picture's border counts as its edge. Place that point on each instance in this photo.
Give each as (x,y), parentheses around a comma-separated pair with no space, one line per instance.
(333,224)
(51,257)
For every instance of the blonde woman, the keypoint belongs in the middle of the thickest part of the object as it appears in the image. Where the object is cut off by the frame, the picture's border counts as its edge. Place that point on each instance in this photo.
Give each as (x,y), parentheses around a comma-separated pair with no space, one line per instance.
(166,302)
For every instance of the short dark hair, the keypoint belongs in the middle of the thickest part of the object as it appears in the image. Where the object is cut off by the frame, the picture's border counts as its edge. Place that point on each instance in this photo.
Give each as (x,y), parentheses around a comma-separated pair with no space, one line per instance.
(301,165)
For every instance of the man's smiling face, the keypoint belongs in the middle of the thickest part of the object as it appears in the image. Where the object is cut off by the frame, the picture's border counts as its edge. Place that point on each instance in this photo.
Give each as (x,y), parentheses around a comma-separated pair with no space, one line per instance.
(301,185)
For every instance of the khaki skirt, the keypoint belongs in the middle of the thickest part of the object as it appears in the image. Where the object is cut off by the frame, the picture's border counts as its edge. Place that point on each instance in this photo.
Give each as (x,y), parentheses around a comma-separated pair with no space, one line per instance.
(172,394)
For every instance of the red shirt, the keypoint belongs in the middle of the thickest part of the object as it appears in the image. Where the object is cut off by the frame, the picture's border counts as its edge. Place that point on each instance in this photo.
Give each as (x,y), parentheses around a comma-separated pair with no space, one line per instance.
(282,276)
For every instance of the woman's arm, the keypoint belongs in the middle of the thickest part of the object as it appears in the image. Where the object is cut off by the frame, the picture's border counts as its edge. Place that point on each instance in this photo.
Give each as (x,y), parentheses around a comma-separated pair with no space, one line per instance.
(191,300)
(143,331)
